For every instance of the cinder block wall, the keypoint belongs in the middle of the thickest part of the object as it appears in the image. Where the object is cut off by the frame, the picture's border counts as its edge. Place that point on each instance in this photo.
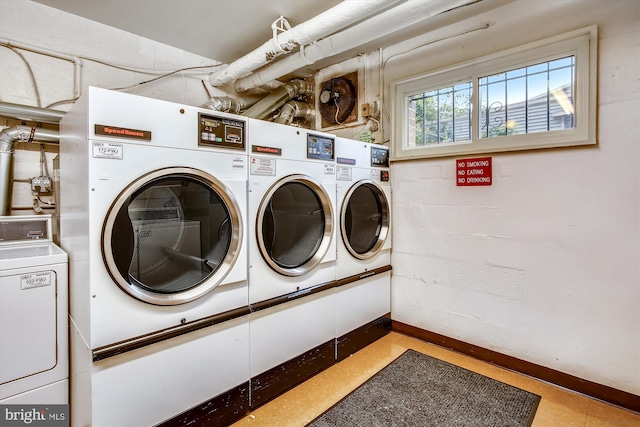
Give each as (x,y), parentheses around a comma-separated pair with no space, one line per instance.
(543,265)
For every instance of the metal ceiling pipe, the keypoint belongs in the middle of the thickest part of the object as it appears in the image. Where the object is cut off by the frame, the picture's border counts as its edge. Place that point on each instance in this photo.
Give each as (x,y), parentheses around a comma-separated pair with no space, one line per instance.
(28,113)
(8,139)
(229,104)
(327,23)
(388,22)
(295,109)
(278,97)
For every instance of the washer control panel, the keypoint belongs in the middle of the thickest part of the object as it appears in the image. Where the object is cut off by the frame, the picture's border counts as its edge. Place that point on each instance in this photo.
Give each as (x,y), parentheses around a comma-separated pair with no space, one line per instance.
(320,147)
(380,156)
(25,229)
(219,131)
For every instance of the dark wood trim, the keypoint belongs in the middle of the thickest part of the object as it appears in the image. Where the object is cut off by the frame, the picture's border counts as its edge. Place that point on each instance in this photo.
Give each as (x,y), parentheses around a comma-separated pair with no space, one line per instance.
(275,381)
(361,337)
(222,410)
(363,275)
(115,349)
(282,299)
(598,391)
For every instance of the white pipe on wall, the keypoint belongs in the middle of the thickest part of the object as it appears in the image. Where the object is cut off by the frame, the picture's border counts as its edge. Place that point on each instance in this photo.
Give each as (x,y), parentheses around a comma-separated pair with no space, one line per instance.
(77,62)
(327,23)
(388,22)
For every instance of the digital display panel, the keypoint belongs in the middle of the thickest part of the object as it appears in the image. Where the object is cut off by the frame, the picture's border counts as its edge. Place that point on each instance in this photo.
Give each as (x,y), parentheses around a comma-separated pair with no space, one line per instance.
(320,147)
(221,131)
(380,156)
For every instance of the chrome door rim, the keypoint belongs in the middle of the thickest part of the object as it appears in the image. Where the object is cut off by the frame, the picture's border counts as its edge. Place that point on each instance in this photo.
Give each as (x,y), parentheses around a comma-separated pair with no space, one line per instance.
(384,230)
(212,281)
(327,237)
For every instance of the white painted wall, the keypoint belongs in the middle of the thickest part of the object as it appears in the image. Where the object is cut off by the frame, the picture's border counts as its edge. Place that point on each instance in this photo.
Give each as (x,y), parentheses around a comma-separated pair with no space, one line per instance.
(27,22)
(544,265)
(24,22)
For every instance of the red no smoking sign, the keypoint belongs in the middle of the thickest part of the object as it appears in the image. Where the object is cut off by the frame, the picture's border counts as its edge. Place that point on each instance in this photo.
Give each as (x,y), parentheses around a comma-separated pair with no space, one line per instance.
(475,171)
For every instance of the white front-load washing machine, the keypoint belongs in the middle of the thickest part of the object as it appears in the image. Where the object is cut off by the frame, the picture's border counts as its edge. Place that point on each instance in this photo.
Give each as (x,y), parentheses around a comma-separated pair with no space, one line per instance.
(153,217)
(292,254)
(363,261)
(34,353)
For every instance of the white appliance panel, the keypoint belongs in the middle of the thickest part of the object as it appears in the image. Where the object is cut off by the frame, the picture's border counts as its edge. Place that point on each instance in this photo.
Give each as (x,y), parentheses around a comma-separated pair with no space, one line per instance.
(363,301)
(268,283)
(265,171)
(169,377)
(287,330)
(56,393)
(348,176)
(33,323)
(28,330)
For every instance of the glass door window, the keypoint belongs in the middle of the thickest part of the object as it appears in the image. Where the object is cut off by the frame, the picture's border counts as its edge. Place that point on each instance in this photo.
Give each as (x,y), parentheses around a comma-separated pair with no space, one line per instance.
(365,220)
(295,225)
(172,236)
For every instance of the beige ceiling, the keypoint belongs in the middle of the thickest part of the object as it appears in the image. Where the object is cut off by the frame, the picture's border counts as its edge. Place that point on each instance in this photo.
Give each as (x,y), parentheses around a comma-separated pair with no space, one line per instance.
(225,30)
(222,30)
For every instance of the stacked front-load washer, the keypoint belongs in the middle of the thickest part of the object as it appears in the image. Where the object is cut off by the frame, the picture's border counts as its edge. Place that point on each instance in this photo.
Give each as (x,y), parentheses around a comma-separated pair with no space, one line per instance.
(153,217)
(292,253)
(363,269)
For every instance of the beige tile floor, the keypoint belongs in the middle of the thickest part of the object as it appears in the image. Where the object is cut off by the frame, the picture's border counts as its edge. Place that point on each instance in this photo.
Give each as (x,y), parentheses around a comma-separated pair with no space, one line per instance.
(558,407)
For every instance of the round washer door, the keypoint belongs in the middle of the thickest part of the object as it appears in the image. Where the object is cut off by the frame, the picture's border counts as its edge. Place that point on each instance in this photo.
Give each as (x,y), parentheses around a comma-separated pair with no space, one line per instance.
(364,219)
(294,225)
(172,236)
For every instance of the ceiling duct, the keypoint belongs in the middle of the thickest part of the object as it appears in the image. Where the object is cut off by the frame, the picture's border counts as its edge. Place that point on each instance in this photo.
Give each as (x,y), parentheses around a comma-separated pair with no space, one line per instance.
(335,19)
(229,104)
(278,97)
(28,113)
(388,22)
(295,109)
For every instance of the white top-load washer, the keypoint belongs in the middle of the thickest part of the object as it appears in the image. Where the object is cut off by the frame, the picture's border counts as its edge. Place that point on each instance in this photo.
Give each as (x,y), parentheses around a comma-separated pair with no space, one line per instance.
(153,217)
(34,362)
(363,260)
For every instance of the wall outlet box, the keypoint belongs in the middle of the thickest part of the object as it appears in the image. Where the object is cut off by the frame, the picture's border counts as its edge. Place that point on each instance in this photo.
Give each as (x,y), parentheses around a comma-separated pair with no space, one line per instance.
(365,110)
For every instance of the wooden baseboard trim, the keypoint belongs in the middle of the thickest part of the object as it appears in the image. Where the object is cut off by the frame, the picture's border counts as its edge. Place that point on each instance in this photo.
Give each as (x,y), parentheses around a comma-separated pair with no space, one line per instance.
(222,410)
(361,337)
(602,392)
(272,383)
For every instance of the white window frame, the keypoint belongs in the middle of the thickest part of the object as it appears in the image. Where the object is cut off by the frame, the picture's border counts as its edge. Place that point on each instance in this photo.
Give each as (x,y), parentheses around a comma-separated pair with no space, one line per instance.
(582,44)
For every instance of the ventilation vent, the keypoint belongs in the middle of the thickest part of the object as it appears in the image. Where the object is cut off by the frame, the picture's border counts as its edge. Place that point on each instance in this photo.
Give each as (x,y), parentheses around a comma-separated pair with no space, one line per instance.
(338,100)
